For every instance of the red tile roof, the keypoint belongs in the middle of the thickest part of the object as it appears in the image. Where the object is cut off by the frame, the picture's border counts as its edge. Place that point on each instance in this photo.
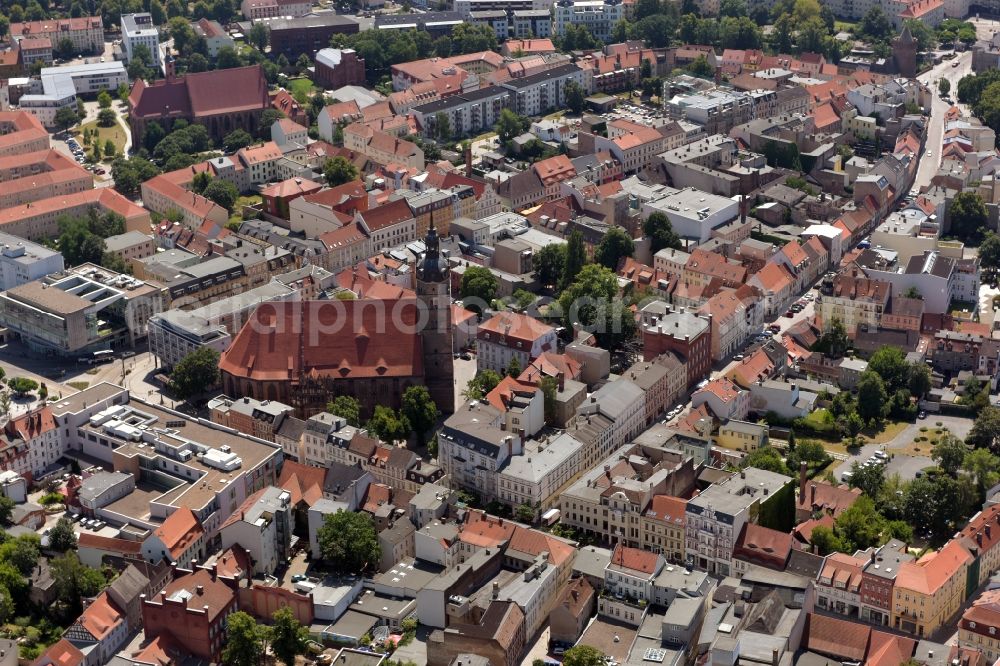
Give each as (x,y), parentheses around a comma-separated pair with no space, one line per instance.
(336,339)
(179,531)
(387,215)
(933,570)
(100,618)
(109,544)
(505,391)
(715,265)
(667,509)
(514,326)
(550,364)
(822,496)
(202,93)
(485,531)
(635,559)
(62,653)
(835,637)
(214,596)
(303,482)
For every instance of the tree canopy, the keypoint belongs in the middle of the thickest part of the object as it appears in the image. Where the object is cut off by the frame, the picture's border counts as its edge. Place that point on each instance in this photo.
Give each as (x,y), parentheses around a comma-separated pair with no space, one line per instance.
(195,373)
(348,541)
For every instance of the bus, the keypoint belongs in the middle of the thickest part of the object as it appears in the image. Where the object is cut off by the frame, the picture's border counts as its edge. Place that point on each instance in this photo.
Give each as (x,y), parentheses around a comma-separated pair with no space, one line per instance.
(102,356)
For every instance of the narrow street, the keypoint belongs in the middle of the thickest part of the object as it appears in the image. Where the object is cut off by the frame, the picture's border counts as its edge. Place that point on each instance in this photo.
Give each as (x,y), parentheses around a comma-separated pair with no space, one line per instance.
(930,161)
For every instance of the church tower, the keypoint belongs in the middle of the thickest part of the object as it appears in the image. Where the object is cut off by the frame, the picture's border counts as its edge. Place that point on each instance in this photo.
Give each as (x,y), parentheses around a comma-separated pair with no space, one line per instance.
(434,293)
(904,54)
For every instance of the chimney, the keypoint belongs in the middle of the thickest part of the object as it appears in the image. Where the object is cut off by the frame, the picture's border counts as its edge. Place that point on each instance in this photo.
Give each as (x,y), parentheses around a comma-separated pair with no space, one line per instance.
(496,589)
(468,160)
(774,657)
(812,495)
(803,468)
(200,590)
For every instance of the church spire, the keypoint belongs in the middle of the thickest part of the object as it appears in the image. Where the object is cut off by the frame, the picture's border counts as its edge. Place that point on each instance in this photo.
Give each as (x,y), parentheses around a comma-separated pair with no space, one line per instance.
(432,268)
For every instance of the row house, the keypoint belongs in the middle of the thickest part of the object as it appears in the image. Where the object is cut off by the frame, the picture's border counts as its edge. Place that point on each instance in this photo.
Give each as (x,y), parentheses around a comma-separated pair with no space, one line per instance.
(723,398)
(663,527)
(508,336)
(854,299)
(931,590)
(980,537)
(879,579)
(715,518)
(838,586)
(979,628)
(628,584)
(777,284)
(735,315)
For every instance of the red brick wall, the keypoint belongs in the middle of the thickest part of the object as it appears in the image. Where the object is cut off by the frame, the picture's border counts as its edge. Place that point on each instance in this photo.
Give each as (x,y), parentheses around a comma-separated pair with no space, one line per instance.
(263,601)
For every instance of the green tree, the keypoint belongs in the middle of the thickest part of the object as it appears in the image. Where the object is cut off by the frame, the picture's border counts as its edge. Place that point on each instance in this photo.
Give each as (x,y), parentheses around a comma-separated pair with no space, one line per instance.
(550,390)
(918,380)
(420,410)
(890,364)
(514,367)
(201,181)
(157,12)
(110,149)
(66,117)
(869,479)
(129,174)
(244,644)
(6,509)
(548,264)
(950,453)
(21,386)
(104,99)
(478,288)
(583,655)
(339,170)
(985,430)
(875,24)
(95,151)
(575,258)
(259,35)
(237,138)
(989,253)
(222,192)
(348,542)
(944,86)
(106,118)
(228,58)
(73,580)
(21,552)
(860,526)
(442,127)
(766,458)
(781,35)
(576,97)
(591,302)
(825,541)
(347,407)
(195,373)
(700,67)
(984,467)
(615,246)
(872,397)
(484,382)
(511,125)
(288,637)
(387,425)
(967,211)
(661,233)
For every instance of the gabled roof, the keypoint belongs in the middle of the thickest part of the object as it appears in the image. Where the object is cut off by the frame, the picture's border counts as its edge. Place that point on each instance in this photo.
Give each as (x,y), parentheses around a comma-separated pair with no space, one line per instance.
(514,326)
(179,531)
(634,559)
(933,570)
(387,215)
(62,653)
(100,618)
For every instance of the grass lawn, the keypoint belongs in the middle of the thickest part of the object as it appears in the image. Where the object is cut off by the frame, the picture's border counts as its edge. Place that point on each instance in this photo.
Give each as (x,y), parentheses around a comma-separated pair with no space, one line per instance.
(79,386)
(891,430)
(844,26)
(929,438)
(303,85)
(116,133)
(831,445)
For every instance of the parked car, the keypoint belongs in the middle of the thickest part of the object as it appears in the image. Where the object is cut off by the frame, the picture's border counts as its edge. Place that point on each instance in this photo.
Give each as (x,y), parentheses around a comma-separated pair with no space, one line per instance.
(922,414)
(789,314)
(738,357)
(100,172)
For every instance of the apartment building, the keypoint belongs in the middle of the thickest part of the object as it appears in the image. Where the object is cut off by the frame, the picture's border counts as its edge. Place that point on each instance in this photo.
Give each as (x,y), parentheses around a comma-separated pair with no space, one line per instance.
(174,333)
(262,526)
(611,501)
(735,315)
(538,94)
(663,527)
(86,32)
(599,17)
(382,147)
(22,261)
(715,518)
(853,298)
(510,335)
(979,628)
(931,590)
(139,30)
(469,112)
(687,334)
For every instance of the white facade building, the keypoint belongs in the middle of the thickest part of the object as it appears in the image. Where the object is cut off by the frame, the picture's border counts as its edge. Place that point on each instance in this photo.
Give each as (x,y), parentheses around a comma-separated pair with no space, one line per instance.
(599,17)
(139,29)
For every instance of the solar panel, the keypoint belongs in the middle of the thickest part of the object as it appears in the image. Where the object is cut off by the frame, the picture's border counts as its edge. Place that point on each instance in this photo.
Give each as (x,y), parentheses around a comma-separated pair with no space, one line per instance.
(654,654)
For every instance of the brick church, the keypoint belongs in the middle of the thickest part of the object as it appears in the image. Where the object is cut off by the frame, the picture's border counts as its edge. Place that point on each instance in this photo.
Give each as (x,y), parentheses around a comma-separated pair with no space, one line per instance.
(221,100)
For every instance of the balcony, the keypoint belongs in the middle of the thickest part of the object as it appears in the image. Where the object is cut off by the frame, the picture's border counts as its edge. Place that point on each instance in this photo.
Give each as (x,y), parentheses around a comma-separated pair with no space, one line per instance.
(624,599)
